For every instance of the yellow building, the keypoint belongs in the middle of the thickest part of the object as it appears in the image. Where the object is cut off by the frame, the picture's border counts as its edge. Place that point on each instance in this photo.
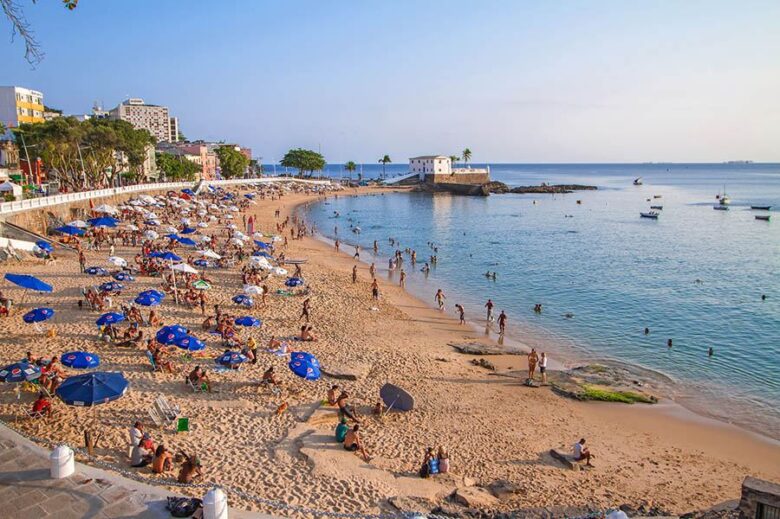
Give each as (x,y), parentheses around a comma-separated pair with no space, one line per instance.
(20,105)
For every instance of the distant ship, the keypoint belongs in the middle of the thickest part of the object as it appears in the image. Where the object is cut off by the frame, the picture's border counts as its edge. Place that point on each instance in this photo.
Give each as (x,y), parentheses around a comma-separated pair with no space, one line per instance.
(738,162)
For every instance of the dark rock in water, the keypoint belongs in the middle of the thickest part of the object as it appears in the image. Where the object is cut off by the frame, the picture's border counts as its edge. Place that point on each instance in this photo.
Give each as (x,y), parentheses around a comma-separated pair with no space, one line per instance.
(556,188)
(476,348)
(497,187)
(600,382)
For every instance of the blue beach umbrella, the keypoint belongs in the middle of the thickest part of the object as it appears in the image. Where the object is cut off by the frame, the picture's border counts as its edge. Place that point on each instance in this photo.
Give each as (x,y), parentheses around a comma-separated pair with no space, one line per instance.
(174,237)
(111,286)
(152,223)
(243,300)
(29,282)
(38,315)
(44,246)
(80,360)
(70,230)
(167,255)
(190,343)
(123,276)
(147,300)
(248,321)
(305,365)
(154,293)
(263,254)
(96,271)
(169,334)
(188,242)
(103,221)
(230,358)
(188,191)
(94,388)
(293,282)
(188,230)
(201,263)
(261,244)
(20,372)
(110,318)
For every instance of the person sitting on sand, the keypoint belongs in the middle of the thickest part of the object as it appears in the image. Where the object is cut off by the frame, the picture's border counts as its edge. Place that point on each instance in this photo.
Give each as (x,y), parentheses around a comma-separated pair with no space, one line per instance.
(163,460)
(306,334)
(444,460)
(207,324)
(333,393)
(581,453)
(341,430)
(190,469)
(136,340)
(154,319)
(251,348)
(198,378)
(379,408)
(353,443)
(269,377)
(345,409)
(140,457)
(161,362)
(425,468)
(42,406)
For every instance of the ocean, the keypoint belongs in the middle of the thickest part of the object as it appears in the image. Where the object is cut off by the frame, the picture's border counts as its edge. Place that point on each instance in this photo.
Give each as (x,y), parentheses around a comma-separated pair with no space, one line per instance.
(603,274)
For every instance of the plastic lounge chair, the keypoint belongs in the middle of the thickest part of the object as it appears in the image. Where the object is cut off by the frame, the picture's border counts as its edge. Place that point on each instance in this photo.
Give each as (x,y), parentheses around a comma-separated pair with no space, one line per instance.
(149,356)
(154,414)
(166,411)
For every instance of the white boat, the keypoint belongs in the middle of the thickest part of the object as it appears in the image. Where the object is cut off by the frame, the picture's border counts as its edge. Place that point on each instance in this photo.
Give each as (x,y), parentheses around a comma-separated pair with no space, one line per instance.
(638,181)
(724,198)
(721,207)
(650,214)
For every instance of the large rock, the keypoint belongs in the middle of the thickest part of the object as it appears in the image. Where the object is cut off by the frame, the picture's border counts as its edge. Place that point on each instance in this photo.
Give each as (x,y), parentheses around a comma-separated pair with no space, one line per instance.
(504,489)
(349,371)
(412,505)
(475,497)
(477,348)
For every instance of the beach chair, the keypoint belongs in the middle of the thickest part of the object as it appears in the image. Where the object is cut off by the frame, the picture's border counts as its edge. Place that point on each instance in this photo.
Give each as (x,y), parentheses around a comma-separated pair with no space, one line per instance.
(195,388)
(154,414)
(167,412)
(155,367)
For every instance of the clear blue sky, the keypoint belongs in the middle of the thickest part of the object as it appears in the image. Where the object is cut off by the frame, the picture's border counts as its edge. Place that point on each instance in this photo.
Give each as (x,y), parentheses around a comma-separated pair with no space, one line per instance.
(587,81)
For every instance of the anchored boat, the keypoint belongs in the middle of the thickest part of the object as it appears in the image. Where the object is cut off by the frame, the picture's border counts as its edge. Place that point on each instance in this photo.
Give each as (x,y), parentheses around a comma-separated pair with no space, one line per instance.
(761,207)
(651,214)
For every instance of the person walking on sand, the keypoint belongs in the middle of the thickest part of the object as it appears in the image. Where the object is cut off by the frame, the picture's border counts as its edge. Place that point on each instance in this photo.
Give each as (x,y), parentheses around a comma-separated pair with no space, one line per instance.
(357,252)
(489,306)
(305,309)
(354,274)
(402,280)
(375,290)
(533,360)
(439,298)
(461,313)
(501,322)
(336,244)
(543,367)
(372,270)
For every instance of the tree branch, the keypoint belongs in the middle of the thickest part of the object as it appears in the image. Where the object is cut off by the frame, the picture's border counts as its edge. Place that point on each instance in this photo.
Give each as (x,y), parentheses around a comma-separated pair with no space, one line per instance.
(32,49)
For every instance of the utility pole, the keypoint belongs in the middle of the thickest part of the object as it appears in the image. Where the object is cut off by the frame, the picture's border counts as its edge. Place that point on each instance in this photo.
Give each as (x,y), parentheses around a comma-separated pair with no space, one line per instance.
(26,154)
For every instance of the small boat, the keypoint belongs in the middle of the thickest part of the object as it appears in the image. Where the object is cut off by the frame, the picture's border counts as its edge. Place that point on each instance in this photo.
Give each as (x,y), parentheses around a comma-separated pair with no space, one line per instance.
(657,196)
(658,207)
(724,198)
(638,181)
(721,207)
(651,214)
(761,207)
(763,217)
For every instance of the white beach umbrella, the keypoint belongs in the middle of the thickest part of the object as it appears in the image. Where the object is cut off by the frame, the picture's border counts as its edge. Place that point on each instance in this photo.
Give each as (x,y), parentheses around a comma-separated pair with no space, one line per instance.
(184,267)
(279,271)
(79,223)
(202,212)
(234,208)
(276,239)
(170,229)
(260,262)
(213,218)
(185,221)
(208,253)
(105,208)
(237,242)
(202,225)
(135,202)
(204,239)
(252,290)
(131,227)
(150,235)
(258,236)
(116,260)
(228,216)
(232,226)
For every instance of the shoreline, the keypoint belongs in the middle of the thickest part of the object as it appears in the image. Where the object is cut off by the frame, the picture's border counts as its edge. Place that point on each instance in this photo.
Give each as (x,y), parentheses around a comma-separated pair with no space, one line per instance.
(542,337)
(495,428)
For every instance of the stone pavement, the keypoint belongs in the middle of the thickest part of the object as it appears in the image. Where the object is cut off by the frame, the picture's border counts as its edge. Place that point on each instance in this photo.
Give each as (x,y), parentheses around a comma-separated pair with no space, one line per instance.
(26,489)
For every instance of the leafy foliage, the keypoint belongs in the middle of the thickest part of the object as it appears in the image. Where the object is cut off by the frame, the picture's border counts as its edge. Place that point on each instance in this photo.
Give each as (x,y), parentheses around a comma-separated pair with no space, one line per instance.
(232,162)
(466,155)
(105,147)
(303,160)
(384,161)
(21,27)
(350,167)
(177,167)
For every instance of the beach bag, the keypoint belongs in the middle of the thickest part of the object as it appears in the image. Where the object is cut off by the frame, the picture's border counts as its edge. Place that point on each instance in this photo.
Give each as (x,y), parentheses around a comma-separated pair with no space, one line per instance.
(183,506)
(433,466)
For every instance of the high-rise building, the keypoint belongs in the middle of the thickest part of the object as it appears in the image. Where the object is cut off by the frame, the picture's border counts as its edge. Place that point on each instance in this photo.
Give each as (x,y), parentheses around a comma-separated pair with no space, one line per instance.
(152,118)
(20,105)
(174,137)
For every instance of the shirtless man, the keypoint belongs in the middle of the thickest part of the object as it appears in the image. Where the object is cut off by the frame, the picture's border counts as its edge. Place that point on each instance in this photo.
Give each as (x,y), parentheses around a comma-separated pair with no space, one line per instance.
(333,394)
(305,310)
(533,360)
(461,313)
(375,290)
(501,322)
(402,280)
(372,270)
(269,377)
(439,298)
(489,306)
(353,443)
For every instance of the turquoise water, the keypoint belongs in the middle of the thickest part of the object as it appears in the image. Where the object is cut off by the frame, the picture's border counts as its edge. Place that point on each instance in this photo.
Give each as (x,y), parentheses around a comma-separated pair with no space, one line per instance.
(615,272)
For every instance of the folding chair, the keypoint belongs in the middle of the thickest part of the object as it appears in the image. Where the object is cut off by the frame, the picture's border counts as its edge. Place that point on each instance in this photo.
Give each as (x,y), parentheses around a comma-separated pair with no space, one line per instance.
(154,414)
(149,356)
(167,412)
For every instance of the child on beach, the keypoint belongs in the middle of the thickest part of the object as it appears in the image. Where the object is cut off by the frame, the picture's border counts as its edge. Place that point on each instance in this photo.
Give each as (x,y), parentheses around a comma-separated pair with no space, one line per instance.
(461,313)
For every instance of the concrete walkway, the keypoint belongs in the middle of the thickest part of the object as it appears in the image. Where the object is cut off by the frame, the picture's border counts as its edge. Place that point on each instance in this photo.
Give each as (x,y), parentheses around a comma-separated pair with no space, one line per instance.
(26,489)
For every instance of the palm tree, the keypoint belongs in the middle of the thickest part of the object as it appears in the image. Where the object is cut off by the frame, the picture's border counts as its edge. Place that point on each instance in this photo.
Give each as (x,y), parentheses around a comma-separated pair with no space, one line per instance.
(454,159)
(350,166)
(384,161)
(466,155)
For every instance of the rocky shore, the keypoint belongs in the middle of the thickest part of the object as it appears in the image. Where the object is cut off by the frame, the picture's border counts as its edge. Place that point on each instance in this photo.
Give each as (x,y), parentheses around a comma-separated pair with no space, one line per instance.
(501,188)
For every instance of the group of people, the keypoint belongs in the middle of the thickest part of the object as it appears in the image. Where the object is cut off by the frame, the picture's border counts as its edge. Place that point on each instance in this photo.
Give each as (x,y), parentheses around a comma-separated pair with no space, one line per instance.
(143,453)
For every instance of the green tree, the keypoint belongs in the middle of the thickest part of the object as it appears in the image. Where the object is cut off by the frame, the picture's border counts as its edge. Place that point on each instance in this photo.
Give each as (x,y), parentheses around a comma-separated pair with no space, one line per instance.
(385,161)
(350,167)
(303,160)
(232,163)
(466,155)
(454,159)
(177,167)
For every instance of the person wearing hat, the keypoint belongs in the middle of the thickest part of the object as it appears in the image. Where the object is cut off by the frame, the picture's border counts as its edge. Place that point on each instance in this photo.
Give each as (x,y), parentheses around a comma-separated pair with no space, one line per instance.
(190,469)
(341,430)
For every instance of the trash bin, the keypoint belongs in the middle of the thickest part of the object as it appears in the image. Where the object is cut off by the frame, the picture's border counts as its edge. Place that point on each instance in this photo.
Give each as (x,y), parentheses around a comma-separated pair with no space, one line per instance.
(63,463)
(215,505)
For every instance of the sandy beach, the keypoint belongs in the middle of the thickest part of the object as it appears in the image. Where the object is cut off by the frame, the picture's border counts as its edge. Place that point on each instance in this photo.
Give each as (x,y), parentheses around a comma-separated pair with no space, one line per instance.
(493,427)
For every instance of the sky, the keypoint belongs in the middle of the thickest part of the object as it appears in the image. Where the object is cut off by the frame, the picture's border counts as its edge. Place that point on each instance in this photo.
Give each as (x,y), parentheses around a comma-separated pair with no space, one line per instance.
(514,81)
